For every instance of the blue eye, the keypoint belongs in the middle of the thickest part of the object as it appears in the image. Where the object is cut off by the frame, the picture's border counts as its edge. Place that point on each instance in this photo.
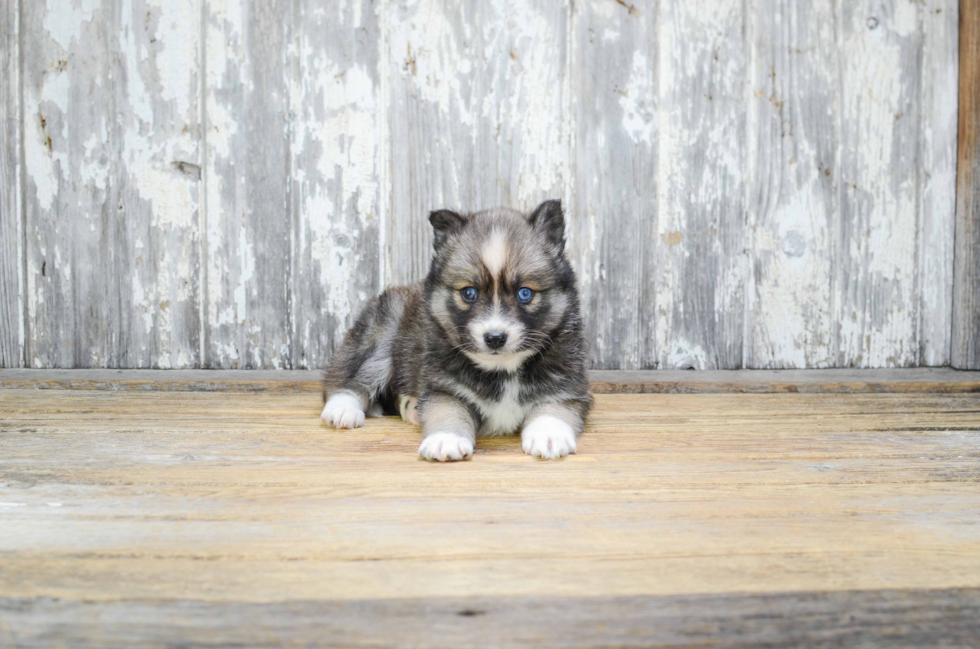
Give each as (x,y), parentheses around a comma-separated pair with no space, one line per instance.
(468,294)
(524,295)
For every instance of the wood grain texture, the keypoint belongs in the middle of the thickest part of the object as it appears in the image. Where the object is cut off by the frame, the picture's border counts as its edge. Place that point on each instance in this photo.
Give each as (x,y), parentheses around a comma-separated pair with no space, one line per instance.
(793,138)
(905,380)
(939,22)
(477,115)
(336,157)
(68,207)
(966,291)
(613,220)
(223,184)
(871,618)
(880,76)
(701,185)
(112,157)
(249,238)
(155,499)
(11,214)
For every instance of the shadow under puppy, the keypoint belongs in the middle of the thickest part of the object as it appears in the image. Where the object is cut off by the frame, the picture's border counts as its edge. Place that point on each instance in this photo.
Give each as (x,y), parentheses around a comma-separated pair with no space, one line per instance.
(489,344)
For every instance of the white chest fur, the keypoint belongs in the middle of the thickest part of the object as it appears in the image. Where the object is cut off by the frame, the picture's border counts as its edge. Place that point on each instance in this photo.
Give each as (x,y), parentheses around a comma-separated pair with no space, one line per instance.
(501,417)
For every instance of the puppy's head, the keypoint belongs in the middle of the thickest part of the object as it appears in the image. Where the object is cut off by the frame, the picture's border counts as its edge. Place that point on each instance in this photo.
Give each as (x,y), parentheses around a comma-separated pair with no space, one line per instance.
(500,285)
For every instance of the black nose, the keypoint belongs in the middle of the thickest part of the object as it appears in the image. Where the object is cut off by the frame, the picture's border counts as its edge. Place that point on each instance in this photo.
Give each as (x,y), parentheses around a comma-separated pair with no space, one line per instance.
(495,339)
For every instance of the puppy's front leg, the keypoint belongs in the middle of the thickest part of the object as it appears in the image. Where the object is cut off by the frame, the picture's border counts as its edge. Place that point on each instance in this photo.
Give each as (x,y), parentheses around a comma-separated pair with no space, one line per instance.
(448,428)
(551,429)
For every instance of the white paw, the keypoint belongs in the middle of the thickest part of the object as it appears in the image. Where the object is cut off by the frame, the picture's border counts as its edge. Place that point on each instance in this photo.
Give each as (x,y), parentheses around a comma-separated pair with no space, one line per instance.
(548,437)
(343,410)
(408,407)
(442,447)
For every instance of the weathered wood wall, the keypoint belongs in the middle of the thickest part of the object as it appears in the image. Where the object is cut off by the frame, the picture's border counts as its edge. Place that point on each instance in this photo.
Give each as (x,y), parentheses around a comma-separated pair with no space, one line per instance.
(11,236)
(966,288)
(223,183)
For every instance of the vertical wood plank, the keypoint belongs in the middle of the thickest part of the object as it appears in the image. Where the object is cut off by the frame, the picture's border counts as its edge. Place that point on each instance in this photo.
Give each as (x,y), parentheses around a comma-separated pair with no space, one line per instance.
(880,49)
(70,202)
(249,237)
(477,114)
(966,293)
(813,230)
(111,161)
(939,22)
(336,151)
(793,135)
(157,105)
(614,222)
(700,184)
(11,234)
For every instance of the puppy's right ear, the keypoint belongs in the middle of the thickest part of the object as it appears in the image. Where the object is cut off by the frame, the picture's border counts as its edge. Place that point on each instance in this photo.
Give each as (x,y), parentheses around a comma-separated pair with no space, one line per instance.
(445,223)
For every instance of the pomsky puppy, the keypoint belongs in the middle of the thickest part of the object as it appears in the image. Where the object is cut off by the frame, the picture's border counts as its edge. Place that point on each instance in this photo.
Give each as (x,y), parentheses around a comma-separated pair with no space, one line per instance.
(489,344)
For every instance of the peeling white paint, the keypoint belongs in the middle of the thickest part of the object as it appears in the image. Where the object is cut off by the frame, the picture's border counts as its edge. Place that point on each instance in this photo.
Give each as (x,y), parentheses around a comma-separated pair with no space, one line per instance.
(790,189)
(13,341)
(543,162)
(247,271)
(638,101)
(179,48)
(65,24)
(43,110)
(699,186)
(434,57)
(706,193)
(336,146)
(39,162)
(937,175)
(879,266)
(99,156)
(686,355)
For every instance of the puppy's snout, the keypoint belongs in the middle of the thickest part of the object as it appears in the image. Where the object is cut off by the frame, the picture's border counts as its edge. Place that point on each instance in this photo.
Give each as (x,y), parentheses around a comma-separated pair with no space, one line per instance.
(495,339)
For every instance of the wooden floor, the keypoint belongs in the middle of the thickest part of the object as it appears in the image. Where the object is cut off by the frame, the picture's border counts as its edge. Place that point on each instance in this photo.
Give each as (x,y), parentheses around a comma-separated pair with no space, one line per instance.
(182,518)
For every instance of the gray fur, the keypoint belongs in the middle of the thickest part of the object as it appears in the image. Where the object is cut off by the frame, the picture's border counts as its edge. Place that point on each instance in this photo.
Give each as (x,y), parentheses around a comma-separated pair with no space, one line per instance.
(425,340)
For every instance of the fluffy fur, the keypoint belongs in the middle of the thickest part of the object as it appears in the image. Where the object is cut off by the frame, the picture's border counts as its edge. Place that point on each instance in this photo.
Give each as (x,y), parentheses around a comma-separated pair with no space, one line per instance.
(465,366)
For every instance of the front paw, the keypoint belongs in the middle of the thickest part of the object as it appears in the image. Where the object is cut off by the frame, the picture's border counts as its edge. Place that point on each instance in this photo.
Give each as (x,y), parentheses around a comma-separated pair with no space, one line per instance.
(343,410)
(443,447)
(548,438)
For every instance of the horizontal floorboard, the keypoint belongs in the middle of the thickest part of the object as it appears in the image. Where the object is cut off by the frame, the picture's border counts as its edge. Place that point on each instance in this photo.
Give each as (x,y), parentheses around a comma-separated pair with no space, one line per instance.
(892,618)
(150,518)
(926,379)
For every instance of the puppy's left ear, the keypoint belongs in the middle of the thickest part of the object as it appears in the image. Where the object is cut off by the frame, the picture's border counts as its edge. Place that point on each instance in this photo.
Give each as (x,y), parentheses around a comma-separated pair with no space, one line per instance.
(549,219)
